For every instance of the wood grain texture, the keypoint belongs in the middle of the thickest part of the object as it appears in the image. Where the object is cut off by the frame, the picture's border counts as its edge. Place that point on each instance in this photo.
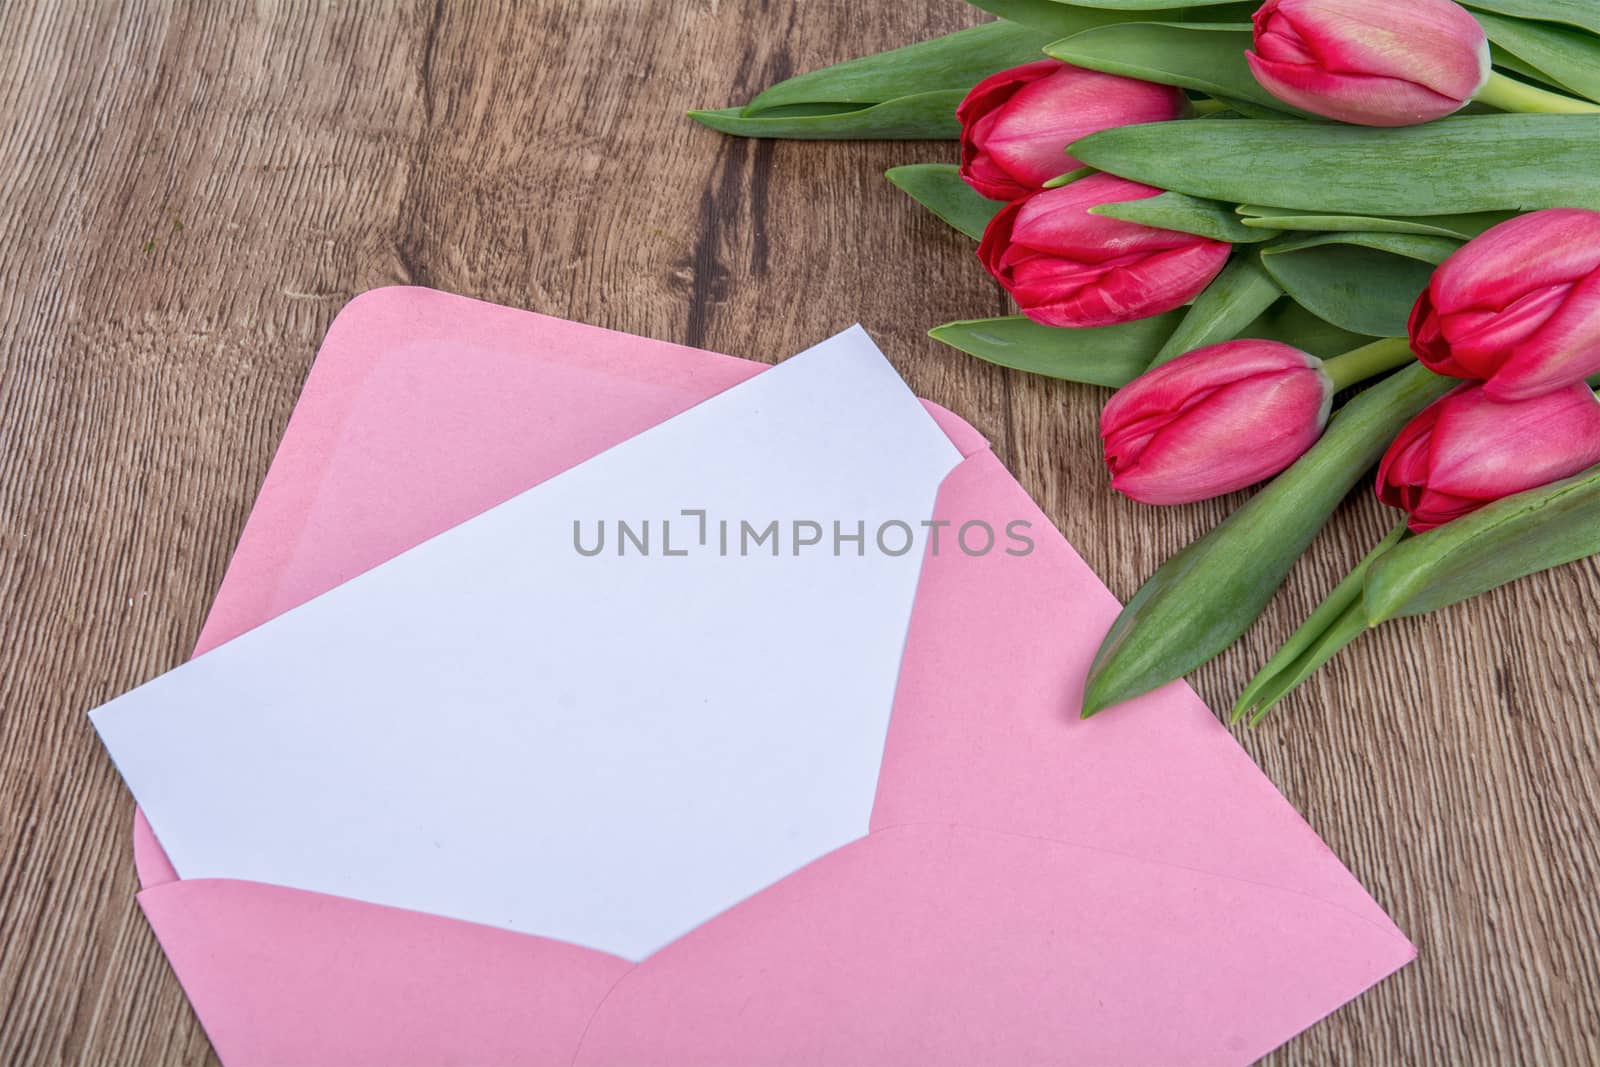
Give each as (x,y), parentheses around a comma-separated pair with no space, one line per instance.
(189,192)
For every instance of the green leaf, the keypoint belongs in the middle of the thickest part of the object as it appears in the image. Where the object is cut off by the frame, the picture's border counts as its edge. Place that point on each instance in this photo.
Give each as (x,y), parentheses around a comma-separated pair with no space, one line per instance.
(1104,355)
(925,117)
(1238,297)
(1144,6)
(1245,109)
(1505,61)
(955,61)
(1580,13)
(1175,211)
(1359,289)
(1461,227)
(1509,539)
(1292,324)
(1063,19)
(1425,249)
(1337,621)
(1069,177)
(1453,166)
(939,188)
(1204,597)
(1333,635)
(1209,59)
(1570,56)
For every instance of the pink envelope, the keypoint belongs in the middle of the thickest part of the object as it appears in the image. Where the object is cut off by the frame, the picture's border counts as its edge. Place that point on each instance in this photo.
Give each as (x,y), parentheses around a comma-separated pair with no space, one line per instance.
(1033,889)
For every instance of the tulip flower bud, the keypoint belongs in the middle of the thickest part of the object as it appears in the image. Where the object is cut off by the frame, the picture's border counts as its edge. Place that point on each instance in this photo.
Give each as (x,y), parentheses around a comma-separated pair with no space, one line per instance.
(1370,62)
(1467,450)
(1517,306)
(1066,267)
(1215,420)
(1016,125)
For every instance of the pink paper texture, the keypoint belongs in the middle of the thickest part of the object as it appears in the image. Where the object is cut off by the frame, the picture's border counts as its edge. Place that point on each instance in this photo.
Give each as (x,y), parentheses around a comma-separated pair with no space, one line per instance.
(1035,889)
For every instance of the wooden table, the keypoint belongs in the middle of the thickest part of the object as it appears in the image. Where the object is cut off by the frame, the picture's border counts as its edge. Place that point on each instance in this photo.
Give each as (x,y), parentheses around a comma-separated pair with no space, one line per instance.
(190,192)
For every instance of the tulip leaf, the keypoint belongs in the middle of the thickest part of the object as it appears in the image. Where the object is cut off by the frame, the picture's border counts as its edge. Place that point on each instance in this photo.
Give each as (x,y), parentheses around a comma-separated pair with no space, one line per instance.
(1507,540)
(1069,177)
(1360,289)
(1505,61)
(1102,355)
(1206,58)
(955,61)
(1425,249)
(1175,211)
(1292,324)
(1570,56)
(1063,20)
(1143,6)
(1238,297)
(1245,109)
(1580,13)
(1204,597)
(924,117)
(1461,227)
(1338,620)
(1453,166)
(939,188)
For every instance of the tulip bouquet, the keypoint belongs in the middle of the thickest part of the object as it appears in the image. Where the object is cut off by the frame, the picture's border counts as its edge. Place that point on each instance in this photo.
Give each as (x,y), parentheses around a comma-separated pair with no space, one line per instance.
(1238,215)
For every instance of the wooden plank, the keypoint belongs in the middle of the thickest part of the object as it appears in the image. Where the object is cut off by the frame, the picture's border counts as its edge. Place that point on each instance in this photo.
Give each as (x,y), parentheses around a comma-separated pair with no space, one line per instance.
(189,193)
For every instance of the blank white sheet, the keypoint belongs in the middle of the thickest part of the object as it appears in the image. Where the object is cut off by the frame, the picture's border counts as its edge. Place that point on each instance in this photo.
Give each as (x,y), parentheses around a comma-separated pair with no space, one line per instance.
(608,750)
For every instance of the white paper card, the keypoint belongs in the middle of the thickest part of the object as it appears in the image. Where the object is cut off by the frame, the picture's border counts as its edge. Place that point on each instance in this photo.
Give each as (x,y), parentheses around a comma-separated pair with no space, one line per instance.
(607,750)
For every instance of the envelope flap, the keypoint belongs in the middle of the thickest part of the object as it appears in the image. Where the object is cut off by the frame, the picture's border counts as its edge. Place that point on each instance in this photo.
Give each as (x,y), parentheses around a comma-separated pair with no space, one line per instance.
(986,728)
(280,976)
(424,409)
(929,945)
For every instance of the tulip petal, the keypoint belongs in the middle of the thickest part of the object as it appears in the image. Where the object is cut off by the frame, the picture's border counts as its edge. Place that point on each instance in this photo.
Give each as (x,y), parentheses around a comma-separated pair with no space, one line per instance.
(1033,128)
(1431,509)
(1434,44)
(1365,100)
(1556,246)
(1068,268)
(1565,349)
(1403,471)
(997,88)
(978,113)
(1427,340)
(1488,450)
(1242,434)
(1481,340)
(1194,427)
(1058,221)
(1156,283)
(1167,388)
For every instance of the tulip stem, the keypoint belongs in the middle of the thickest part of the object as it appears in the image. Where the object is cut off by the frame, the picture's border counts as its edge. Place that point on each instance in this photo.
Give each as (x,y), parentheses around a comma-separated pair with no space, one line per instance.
(1368,361)
(1207,106)
(1509,94)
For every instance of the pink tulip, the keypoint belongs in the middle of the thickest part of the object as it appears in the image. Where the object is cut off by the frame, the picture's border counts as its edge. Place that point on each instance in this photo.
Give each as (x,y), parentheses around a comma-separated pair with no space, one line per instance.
(1016,125)
(1370,62)
(1066,267)
(1215,420)
(1518,306)
(1467,450)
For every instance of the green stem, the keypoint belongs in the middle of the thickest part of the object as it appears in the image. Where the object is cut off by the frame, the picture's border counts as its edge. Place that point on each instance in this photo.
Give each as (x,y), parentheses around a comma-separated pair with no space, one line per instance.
(1368,361)
(1509,94)
(1207,106)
